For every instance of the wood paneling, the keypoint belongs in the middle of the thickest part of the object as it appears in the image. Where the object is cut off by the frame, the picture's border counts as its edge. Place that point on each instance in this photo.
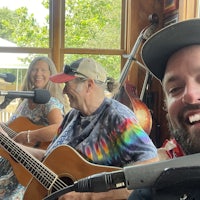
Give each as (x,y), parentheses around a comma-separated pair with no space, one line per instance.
(138,12)
(188,9)
(137,19)
(57,32)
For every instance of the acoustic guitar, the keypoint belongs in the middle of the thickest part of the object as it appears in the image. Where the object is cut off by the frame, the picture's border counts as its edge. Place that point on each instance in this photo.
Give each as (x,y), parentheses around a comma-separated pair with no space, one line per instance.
(18,125)
(23,124)
(61,168)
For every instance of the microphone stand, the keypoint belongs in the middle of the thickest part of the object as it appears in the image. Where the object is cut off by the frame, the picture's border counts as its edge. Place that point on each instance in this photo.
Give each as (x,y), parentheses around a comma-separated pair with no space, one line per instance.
(144,35)
(6,102)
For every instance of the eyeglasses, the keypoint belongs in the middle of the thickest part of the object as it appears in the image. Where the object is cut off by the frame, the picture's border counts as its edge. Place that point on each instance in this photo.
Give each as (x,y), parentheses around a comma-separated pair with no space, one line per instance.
(69,70)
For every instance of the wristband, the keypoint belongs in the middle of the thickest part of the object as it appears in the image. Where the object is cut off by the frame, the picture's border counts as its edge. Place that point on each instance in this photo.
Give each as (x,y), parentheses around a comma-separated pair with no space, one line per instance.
(28,136)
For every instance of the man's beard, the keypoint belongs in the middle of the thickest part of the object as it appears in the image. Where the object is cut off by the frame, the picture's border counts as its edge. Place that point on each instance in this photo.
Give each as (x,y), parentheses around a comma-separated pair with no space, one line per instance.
(189,142)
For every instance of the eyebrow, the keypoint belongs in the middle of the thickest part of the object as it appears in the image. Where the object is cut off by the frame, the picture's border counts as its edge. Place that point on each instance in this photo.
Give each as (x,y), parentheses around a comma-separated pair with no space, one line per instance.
(176,77)
(171,79)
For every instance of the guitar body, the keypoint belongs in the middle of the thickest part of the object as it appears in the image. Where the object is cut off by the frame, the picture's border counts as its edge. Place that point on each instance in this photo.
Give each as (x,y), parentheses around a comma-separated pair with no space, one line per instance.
(18,125)
(140,109)
(22,175)
(24,124)
(68,165)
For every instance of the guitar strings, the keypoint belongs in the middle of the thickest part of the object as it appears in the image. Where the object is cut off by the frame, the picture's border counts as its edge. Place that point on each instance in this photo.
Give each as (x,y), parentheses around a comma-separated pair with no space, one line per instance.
(8,130)
(23,158)
(44,175)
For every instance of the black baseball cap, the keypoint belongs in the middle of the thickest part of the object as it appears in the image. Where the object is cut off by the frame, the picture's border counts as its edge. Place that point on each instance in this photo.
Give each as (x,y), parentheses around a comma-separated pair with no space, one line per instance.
(161,45)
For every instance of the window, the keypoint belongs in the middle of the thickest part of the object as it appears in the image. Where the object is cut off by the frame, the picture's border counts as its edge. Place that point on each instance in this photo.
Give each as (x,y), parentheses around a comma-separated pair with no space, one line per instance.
(64,30)
(93,24)
(24,23)
(83,28)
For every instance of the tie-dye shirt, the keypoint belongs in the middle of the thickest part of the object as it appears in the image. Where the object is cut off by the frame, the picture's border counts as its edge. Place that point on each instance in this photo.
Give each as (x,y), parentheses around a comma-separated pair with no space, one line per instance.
(110,136)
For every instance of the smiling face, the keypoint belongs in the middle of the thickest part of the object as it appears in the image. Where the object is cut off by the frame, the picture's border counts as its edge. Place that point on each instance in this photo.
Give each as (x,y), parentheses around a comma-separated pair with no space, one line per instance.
(40,74)
(181,85)
(76,91)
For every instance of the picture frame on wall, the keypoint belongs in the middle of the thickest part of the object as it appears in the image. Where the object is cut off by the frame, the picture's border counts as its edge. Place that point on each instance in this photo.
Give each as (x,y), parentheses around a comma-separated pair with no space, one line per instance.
(170,6)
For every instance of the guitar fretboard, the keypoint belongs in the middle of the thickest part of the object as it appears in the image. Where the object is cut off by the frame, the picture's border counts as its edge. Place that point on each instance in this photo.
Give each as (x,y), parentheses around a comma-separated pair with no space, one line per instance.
(44,175)
(9,131)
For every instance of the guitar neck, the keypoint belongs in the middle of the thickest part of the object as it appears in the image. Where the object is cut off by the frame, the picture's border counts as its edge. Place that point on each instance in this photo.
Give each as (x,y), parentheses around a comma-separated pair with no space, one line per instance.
(8,130)
(44,175)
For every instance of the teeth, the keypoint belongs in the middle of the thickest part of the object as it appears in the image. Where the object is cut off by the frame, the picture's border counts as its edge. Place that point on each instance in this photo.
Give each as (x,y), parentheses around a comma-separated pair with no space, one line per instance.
(194,118)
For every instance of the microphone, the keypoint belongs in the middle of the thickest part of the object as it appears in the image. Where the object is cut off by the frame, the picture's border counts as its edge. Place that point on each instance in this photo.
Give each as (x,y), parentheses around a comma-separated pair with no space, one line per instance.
(138,176)
(39,96)
(134,177)
(8,77)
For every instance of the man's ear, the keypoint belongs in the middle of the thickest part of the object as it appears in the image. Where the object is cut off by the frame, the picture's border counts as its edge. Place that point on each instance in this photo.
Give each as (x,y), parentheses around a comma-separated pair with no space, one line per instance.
(90,84)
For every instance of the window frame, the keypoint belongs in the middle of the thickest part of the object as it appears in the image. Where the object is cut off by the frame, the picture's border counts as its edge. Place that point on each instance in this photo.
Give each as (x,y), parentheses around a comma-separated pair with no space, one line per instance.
(56,48)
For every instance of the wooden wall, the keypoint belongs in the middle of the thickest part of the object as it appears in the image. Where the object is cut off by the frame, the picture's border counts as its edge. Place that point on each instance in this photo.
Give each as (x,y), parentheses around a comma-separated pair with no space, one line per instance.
(138,19)
(138,13)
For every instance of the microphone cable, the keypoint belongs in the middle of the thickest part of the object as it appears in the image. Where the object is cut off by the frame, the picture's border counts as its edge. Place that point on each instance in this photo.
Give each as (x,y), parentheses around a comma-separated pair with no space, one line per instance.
(101,182)
(59,193)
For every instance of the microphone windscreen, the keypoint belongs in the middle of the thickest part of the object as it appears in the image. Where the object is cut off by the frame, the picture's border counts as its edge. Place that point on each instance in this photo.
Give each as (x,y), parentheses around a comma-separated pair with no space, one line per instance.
(10,78)
(41,96)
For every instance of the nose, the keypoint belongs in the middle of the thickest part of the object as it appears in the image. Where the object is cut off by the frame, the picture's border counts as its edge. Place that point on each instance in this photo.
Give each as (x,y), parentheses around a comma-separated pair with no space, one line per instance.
(191,94)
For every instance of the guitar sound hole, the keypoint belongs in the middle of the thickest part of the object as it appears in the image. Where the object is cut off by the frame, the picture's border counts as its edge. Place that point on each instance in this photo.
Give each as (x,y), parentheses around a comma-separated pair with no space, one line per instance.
(67,180)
